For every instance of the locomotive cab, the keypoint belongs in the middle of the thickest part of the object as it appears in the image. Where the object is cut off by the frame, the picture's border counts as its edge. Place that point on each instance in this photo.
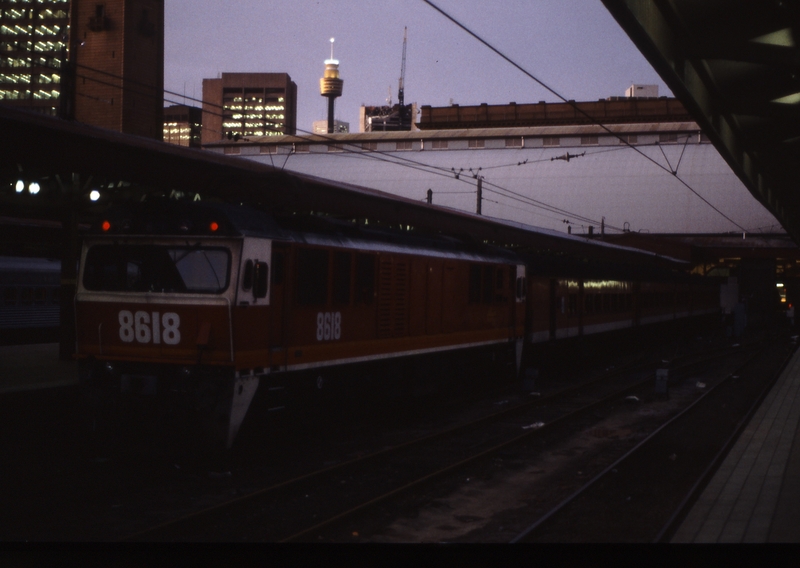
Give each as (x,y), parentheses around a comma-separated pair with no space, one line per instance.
(155,318)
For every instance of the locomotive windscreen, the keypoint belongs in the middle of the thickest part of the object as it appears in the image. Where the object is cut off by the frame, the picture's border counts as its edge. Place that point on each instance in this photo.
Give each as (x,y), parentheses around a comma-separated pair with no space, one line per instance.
(157,268)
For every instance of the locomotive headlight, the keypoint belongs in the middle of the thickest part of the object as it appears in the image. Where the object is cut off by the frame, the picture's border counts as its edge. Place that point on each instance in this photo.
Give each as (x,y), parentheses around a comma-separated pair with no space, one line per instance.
(94,195)
(19,187)
(34,188)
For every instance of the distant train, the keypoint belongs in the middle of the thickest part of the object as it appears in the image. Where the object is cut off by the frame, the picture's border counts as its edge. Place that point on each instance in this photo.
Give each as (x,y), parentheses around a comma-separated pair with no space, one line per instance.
(192,307)
(29,299)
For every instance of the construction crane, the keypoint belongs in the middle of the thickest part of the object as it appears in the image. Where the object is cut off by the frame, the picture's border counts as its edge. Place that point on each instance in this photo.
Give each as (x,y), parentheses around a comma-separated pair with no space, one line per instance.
(400,97)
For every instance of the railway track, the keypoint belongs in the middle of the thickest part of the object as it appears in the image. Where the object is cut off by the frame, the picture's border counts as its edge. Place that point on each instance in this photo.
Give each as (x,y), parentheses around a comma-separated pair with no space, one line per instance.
(322,501)
(644,495)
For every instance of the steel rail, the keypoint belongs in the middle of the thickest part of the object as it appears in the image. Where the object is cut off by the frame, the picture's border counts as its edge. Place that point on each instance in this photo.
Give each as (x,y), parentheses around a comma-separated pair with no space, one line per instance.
(563,419)
(386,452)
(558,508)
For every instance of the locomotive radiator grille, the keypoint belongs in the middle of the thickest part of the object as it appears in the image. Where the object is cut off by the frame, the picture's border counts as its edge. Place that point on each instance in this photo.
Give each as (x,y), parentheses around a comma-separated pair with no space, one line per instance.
(392,298)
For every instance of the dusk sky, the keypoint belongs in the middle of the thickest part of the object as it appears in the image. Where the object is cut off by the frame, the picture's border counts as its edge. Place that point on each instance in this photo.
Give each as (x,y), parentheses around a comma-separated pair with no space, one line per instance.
(573,46)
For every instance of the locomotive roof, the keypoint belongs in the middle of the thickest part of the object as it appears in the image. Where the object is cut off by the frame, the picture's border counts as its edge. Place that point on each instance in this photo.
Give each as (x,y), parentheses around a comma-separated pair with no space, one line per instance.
(26,264)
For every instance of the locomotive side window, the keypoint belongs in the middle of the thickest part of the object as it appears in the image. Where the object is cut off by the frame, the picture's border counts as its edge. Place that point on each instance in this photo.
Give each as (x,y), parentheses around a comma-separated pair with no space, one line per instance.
(341,277)
(474,284)
(365,278)
(25,296)
(487,285)
(157,268)
(312,277)
(10,296)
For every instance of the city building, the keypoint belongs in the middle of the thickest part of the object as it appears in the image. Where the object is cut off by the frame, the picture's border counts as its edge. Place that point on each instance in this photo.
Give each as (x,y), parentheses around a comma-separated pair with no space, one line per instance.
(34,44)
(119,65)
(100,63)
(182,125)
(321,127)
(243,105)
(388,118)
(642,91)
(612,110)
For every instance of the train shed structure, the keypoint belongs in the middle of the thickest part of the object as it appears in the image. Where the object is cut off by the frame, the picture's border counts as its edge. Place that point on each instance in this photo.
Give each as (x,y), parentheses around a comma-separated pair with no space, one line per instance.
(734,67)
(615,165)
(58,176)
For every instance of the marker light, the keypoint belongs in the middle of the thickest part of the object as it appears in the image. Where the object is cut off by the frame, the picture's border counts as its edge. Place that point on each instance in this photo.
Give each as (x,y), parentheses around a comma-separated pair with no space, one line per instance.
(94,195)
(213,226)
(106,225)
(20,186)
(33,188)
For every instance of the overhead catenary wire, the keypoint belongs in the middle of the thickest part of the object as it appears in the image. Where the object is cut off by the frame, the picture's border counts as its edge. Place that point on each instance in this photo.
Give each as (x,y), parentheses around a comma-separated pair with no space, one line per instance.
(393,158)
(575,107)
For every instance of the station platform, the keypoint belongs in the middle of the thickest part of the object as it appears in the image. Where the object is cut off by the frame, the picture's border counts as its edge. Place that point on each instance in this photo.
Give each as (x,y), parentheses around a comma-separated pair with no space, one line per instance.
(754,495)
(32,367)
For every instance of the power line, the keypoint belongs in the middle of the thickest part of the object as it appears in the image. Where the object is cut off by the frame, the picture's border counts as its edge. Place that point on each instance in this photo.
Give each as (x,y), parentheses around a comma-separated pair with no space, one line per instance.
(130,84)
(574,106)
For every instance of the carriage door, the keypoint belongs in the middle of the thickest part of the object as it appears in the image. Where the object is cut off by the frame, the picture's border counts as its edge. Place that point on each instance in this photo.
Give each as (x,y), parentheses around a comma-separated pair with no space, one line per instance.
(279,313)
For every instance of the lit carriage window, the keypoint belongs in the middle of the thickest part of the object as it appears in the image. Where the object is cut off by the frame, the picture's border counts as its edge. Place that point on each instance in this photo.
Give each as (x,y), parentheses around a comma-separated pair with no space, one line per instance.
(341,277)
(588,301)
(365,278)
(312,277)
(573,304)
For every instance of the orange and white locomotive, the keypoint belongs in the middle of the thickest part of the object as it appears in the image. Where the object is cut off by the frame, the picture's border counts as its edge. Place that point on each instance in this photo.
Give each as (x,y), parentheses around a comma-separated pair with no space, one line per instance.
(193,306)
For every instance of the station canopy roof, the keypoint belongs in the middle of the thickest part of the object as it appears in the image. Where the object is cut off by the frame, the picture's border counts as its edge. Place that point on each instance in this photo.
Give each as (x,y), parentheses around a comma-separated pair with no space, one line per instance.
(734,65)
(69,160)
